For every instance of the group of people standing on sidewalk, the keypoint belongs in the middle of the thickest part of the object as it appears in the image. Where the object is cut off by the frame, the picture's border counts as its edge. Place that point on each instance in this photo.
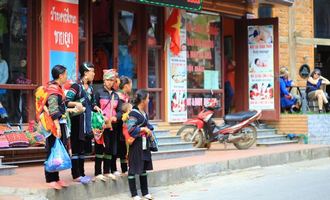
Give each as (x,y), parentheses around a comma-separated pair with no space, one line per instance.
(80,101)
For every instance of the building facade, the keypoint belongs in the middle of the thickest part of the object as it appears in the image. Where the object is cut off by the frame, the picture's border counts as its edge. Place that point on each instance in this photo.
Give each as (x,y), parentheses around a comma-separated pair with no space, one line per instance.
(130,36)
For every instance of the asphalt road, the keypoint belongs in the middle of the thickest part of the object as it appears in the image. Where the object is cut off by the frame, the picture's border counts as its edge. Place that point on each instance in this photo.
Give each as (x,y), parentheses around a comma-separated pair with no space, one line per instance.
(308,180)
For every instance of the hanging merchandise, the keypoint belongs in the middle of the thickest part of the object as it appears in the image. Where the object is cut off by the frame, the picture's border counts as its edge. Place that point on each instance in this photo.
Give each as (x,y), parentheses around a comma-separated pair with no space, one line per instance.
(19,25)
(126,64)
(126,21)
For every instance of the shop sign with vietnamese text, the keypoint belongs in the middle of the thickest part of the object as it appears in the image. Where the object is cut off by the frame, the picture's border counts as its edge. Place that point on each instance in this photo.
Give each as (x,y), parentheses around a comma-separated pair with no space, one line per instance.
(60,35)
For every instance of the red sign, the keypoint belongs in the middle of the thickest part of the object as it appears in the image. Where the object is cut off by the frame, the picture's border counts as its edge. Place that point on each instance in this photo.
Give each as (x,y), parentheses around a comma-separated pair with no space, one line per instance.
(60,36)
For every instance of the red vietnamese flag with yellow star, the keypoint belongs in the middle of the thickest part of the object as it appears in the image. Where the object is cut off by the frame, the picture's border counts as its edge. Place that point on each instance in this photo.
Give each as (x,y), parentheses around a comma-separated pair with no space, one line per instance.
(172,27)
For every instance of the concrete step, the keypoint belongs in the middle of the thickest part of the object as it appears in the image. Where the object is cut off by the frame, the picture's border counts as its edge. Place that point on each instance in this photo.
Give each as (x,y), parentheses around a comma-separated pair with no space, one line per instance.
(155,125)
(277,143)
(6,170)
(160,133)
(266,132)
(167,126)
(162,155)
(175,146)
(168,139)
(176,127)
(270,138)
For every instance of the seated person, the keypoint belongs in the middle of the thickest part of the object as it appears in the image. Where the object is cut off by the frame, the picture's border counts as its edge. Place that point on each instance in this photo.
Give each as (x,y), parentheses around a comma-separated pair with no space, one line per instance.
(314,90)
(288,101)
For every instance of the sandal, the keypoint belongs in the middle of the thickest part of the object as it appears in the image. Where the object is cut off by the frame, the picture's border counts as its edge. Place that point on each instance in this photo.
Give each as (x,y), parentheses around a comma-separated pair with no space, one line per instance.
(148,196)
(113,177)
(55,185)
(85,179)
(77,179)
(62,183)
(101,177)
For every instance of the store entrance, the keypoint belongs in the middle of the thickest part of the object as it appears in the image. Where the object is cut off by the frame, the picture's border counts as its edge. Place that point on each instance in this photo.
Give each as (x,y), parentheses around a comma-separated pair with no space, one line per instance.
(126,38)
(115,40)
(322,61)
(231,96)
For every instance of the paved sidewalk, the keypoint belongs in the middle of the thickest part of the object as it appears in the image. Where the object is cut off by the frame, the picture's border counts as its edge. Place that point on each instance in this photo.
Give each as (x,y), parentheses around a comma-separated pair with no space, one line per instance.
(305,180)
(30,180)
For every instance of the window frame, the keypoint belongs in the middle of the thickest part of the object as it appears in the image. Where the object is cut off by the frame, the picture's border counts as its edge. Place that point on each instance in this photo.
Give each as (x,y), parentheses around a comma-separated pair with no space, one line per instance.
(33,58)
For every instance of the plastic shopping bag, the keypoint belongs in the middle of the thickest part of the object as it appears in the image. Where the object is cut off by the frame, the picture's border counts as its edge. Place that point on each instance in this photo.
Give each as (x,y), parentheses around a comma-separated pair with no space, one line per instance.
(59,158)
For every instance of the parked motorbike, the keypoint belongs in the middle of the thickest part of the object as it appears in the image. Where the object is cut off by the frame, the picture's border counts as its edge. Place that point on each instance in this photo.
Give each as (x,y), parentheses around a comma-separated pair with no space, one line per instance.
(238,128)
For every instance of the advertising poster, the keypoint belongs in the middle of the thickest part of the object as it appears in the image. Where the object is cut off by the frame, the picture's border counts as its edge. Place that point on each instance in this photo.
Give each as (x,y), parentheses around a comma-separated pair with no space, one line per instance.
(177,80)
(60,38)
(261,67)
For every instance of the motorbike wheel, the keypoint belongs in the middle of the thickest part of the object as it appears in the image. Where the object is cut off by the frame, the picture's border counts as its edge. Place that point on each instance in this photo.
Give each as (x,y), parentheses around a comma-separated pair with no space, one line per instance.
(249,138)
(186,133)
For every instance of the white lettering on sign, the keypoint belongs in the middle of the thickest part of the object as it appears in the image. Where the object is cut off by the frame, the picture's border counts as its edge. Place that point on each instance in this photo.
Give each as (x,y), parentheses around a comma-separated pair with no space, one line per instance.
(63,38)
(64,16)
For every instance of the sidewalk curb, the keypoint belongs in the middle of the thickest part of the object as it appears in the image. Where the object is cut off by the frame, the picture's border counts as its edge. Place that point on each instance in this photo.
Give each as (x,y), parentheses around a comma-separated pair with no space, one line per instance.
(175,176)
(169,176)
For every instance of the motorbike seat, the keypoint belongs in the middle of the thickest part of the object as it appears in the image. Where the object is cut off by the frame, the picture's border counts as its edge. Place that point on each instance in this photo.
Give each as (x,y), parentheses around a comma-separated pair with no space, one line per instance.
(240,116)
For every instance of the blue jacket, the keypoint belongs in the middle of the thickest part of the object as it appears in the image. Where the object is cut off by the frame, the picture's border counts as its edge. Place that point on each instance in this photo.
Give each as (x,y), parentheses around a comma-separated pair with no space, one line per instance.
(286,103)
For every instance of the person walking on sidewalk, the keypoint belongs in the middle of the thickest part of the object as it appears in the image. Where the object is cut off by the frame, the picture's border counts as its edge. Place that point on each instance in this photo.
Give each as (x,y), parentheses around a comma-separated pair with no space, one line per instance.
(125,88)
(80,96)
(56,107)
(107,100)
(139,155)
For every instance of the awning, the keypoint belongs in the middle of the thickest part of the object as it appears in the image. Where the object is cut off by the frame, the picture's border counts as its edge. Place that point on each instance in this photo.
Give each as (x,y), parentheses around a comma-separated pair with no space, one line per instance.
(182,4)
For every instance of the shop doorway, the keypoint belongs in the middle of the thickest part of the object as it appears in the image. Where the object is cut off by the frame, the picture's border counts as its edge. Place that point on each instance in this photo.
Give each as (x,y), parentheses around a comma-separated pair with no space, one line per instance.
(229,65)
(257,66)
(116,40)
(322,61)
(127,36)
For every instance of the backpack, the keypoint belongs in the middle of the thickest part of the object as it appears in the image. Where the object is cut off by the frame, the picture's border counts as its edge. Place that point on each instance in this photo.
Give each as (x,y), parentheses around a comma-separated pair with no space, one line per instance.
(128,138)
(46,124)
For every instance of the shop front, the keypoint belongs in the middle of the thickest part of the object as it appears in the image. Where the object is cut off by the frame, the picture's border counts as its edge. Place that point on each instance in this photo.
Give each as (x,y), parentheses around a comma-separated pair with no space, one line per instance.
(135,37)
(134,40)
(18,70)
(131,37)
